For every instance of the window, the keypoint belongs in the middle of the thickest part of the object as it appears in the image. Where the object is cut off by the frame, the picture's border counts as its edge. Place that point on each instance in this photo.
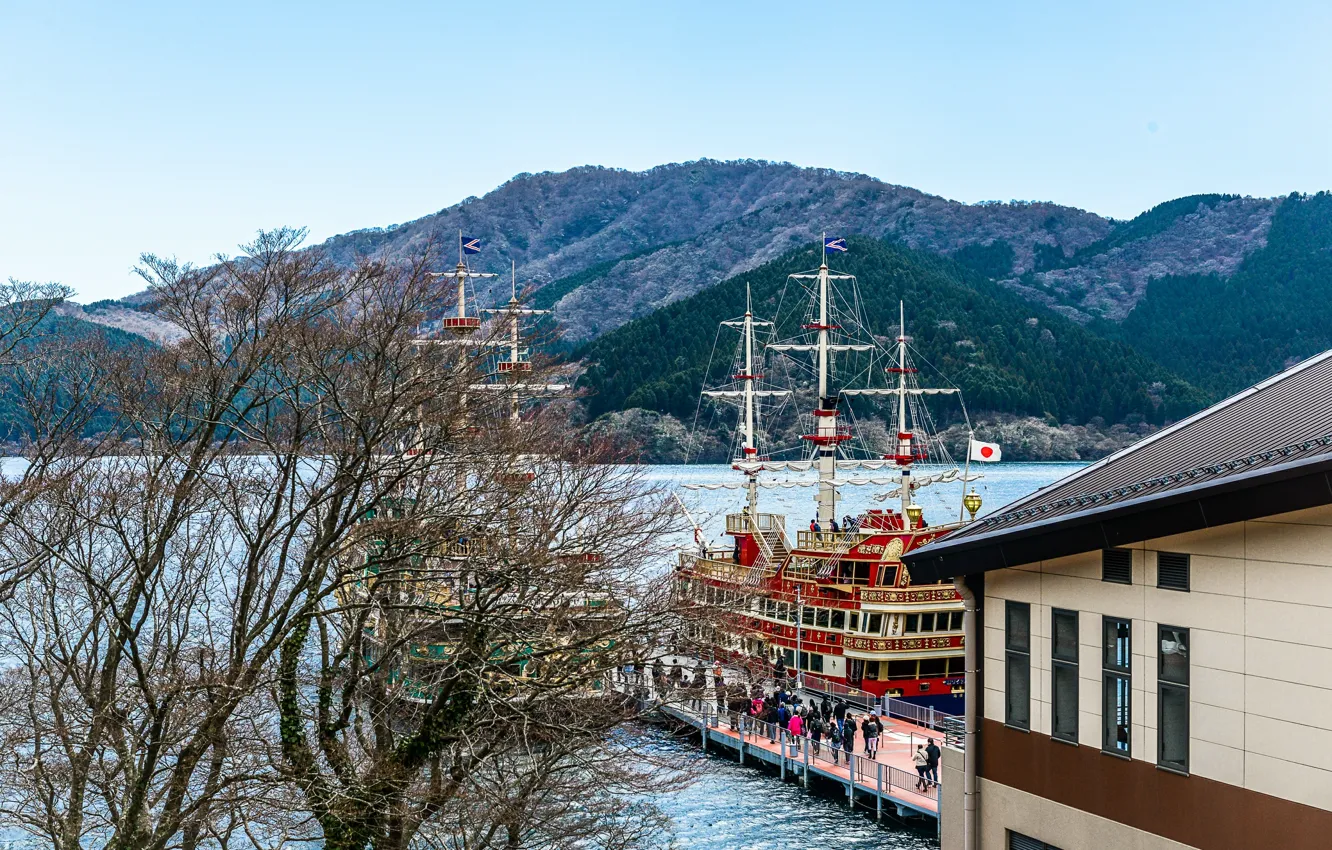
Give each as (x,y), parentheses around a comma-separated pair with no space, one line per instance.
(1064,675)
(956,624)
(1017,664)
(874,624)
(957,666)
(1018,841)
(811,661)
(1172,698)
(853,623)
(933,667)
(821,619)
(912,623)
(1117,566)
(902,669)
(1172,571)
(807,616)
(1117,687)
(839,620)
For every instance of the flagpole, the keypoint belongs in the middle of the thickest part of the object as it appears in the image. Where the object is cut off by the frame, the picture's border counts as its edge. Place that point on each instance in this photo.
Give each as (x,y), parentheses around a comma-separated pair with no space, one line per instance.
(460,253)
(823,246)
(962,504)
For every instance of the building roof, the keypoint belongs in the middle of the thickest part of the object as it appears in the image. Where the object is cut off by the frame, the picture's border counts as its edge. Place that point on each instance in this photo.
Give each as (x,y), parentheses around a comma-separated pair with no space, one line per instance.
(1263,451)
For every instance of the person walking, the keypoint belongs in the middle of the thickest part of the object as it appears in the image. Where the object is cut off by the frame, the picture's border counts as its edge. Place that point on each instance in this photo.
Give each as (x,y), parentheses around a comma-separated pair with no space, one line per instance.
(835,739)
(816,730)
(932,752)
(840,711)
(922,762)
(849,737)
(872,730)
(770,718)
(795,727)
(825,709)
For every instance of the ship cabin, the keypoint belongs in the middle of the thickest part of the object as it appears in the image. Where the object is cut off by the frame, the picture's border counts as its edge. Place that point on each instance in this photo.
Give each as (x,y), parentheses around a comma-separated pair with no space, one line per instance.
(860,622)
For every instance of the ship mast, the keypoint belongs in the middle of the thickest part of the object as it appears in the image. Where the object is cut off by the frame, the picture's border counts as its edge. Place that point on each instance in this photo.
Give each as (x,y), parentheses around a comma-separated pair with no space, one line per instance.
(905,452)
(826,413)
(750,446)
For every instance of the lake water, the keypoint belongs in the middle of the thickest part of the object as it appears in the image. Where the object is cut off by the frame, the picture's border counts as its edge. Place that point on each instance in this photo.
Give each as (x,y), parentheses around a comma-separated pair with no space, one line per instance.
(735,807)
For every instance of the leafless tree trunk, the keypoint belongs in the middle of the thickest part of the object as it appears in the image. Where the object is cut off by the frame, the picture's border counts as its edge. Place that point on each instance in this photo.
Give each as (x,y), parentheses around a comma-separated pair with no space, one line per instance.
(310,581)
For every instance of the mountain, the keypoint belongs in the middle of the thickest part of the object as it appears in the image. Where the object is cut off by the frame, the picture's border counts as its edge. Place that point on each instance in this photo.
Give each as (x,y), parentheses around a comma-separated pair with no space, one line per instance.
(1005,353)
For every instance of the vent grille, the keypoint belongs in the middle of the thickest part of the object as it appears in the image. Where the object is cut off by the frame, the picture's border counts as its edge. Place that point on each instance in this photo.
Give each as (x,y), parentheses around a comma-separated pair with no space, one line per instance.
(1117,566)
(1172,570)
(1018,841)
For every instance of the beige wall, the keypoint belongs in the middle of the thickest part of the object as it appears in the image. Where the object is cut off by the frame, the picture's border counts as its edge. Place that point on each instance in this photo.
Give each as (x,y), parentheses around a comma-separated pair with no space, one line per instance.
(1260,611)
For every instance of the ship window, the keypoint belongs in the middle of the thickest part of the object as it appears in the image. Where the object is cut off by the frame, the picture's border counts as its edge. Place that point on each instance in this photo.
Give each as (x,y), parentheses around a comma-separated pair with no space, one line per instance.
(955,624)
(711,595)
(807,617)
(874,624)
(854,622)
(957,666)
(1017,664)
(1172,704)
(770,608)
(791,613)
(1064,675)
(902,669)
(1117,566)
(873,669)
(912,623)
(821,620)
(933,667)
(1117,687)
(839,620)
(1172,571)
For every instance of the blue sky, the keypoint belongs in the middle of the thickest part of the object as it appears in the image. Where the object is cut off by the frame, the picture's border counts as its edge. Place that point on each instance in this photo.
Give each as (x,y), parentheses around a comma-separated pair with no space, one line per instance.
(181,128)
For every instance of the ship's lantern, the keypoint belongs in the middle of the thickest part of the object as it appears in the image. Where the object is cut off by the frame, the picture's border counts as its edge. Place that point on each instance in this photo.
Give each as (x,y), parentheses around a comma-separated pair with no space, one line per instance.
(914,513)
(972,502)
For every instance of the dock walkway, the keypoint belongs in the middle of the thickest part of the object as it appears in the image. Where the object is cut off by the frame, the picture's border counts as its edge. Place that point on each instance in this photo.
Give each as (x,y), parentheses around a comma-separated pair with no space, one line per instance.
(891,779)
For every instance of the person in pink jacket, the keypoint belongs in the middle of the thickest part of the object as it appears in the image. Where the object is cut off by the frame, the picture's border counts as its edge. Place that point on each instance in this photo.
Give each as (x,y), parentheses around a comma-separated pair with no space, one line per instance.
(795,726)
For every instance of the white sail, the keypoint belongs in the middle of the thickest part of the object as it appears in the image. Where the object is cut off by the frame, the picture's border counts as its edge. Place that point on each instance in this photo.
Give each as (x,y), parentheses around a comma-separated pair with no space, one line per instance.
(741,393)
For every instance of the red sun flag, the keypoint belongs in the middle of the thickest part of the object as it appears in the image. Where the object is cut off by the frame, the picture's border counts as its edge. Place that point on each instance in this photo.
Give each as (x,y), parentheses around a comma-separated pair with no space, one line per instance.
(985,452)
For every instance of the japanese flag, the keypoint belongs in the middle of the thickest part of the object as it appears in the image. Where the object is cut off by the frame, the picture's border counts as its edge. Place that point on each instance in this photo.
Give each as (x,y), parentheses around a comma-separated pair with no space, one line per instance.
(985,452)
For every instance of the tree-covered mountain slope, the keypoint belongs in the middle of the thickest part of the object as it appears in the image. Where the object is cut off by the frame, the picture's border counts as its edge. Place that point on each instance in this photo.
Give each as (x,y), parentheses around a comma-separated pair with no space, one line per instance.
(1226,333)
(1005,354)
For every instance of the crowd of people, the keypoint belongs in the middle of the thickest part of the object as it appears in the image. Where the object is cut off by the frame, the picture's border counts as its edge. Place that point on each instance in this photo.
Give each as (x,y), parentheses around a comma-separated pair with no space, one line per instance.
(826,723)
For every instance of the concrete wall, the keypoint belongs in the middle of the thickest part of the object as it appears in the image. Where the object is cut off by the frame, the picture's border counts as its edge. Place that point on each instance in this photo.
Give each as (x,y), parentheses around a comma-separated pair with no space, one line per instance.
(950,799)
(1004,808)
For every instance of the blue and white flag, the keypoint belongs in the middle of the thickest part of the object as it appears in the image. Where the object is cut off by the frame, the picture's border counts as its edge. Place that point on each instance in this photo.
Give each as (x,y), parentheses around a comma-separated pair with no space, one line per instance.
(834,244)
(471,245)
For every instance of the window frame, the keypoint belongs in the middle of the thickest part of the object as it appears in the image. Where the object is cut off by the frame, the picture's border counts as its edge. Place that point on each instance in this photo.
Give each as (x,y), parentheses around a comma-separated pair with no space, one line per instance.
(1066,660)
(1017,664)
(1179,687)
(1116,678)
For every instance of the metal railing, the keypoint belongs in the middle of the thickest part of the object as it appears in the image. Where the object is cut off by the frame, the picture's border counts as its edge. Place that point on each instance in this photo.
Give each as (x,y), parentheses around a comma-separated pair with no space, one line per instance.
(739,523)
(827,540)
(819,685)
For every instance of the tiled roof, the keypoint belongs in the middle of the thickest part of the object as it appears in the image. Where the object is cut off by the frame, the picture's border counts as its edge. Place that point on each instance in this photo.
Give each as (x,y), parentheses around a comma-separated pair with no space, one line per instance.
(1281,422)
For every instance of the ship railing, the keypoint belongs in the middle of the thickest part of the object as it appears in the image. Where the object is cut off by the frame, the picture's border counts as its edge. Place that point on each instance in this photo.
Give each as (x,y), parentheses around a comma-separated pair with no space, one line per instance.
(722,570)
(828,541)
(866,771)
(740,523)
(819,685)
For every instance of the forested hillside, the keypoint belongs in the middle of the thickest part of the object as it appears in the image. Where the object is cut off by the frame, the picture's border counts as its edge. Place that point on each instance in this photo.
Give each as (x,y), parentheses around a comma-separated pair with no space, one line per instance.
(1227,333)
(1006,354)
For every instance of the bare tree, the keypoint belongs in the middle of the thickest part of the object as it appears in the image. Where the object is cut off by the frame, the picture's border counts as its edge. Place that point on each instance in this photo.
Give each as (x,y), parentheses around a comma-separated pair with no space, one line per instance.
(311,581)
(23,306)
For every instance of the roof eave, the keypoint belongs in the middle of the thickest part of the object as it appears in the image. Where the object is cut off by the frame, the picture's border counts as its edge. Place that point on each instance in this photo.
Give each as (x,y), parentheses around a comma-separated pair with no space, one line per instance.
(1262,492)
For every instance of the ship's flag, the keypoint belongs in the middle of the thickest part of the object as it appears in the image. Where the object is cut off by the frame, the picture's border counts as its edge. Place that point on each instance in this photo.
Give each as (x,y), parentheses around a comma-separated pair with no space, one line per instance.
(471,245)
(834,243)
(985,452)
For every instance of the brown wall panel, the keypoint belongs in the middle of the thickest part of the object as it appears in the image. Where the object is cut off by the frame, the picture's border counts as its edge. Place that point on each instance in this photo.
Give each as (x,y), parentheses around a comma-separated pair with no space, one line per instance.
(1190,809)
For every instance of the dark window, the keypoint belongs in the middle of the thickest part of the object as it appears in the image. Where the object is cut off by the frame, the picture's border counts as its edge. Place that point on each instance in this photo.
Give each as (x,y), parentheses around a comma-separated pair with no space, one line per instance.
(957,666)
(839,620)
(902,669)
(854,623)
(1172,698)
(1018,841)
(1017,672)
(933,667)
(1117,687)
(874,624)
(807,616)
(822,618)
(1172,570)
(956,624)
(1117,565)
(1064,675)
(912,623)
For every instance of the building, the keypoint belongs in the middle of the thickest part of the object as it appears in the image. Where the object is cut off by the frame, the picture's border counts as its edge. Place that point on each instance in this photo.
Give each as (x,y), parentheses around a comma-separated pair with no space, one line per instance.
(1150,653)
